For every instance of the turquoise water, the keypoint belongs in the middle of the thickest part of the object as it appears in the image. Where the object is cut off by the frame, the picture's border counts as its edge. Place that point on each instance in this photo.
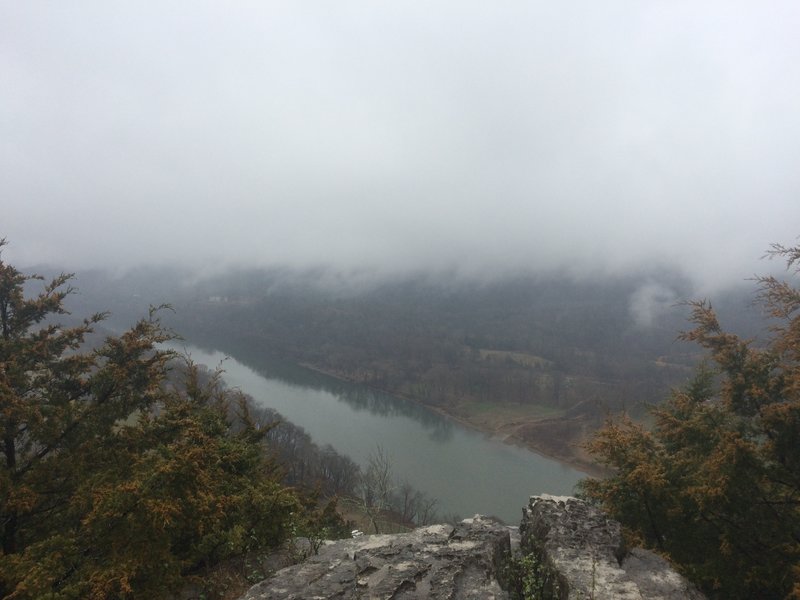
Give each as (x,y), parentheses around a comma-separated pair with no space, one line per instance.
(466,471)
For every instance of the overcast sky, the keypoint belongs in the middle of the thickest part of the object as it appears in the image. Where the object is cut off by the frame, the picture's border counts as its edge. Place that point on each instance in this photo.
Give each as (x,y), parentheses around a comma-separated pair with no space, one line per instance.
(480,136)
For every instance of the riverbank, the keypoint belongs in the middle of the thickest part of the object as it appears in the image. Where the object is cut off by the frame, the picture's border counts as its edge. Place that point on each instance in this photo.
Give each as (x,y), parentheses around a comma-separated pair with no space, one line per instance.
(558,438)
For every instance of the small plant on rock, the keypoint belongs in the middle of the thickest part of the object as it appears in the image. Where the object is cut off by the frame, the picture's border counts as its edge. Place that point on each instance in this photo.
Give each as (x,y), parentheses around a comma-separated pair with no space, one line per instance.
(529,578)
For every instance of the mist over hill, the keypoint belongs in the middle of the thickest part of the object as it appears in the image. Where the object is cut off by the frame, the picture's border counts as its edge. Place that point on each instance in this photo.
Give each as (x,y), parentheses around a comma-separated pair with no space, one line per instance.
(502,354)
(642,301)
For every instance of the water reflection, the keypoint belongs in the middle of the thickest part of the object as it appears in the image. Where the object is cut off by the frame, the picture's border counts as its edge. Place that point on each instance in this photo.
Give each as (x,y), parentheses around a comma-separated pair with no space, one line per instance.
(464,470)
(358,397)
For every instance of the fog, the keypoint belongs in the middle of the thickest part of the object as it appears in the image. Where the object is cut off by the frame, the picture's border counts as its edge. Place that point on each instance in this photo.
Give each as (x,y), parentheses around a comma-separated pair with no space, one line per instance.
(469,137)
(650,301)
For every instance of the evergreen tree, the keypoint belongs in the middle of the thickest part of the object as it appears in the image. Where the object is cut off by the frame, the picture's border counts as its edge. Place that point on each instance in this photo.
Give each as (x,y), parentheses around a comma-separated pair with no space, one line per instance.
(716,483)
(117,481)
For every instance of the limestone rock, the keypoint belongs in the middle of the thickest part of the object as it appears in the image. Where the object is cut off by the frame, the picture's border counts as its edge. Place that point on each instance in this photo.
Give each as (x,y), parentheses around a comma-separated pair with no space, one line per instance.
(584,551)
(581,549)
(437,562)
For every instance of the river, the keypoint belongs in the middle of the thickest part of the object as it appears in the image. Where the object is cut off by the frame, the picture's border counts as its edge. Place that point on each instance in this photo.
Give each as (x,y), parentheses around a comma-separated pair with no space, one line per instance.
(465,470)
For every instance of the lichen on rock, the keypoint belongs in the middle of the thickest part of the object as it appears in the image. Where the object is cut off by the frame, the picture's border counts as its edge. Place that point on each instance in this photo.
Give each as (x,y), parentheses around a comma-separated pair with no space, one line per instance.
(578,552)
(439,561)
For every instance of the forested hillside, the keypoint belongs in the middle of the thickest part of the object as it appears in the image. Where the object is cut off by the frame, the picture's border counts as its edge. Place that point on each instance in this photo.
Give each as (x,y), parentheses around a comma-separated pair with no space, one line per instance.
(541,360)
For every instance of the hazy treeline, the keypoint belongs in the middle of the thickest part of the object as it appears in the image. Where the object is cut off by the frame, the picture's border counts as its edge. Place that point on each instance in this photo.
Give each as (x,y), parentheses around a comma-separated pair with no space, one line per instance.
(588,346)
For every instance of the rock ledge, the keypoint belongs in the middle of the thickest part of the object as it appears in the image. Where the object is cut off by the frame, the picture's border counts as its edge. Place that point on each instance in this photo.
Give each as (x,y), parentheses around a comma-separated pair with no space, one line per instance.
(440,561)
(580,549)
(584,551)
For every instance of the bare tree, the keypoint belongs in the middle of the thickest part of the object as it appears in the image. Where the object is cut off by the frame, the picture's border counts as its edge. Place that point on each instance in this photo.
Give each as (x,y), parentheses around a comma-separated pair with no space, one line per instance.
(376,486)
(414,506)
(426,512)
(339,473)
(408,502)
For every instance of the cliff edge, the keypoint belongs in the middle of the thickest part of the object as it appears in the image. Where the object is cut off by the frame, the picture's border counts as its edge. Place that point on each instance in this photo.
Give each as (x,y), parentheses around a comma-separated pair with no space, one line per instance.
(571,549)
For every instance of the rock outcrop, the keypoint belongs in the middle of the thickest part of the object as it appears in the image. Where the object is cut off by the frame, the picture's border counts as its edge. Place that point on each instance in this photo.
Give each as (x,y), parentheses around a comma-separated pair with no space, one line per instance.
(579,551)
(437,562)
(584,551)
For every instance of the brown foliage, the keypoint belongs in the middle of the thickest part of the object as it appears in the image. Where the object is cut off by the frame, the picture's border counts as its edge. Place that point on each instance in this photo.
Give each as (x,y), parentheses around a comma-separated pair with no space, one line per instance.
(114,484)
(716,483)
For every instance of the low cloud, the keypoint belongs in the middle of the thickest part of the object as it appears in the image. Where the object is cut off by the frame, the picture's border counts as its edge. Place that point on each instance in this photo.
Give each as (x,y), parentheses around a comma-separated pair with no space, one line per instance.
(650,302)
(480,138)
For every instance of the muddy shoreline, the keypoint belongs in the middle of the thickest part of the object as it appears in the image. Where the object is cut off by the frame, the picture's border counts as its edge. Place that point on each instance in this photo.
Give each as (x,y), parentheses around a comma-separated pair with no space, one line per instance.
(543,444)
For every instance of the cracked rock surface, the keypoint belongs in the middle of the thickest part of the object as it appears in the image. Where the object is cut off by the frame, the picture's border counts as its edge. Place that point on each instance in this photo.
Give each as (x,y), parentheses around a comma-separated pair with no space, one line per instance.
(581,550)
(585,550)
(437,562)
